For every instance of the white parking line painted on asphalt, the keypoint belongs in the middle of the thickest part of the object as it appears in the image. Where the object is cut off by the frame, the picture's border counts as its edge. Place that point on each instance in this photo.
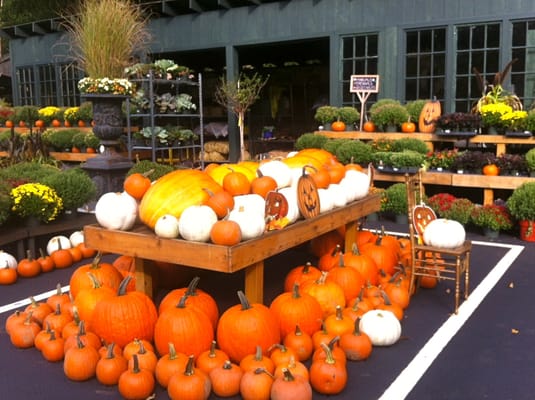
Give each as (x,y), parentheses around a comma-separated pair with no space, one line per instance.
(25,302)
(410,376)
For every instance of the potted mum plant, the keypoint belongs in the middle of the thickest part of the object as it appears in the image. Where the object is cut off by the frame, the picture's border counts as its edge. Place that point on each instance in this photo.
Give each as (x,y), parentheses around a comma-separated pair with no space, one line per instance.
(521,205)
(493,218)
(395,201)
(326,115)
(36,203)
(350,116)
(389,116)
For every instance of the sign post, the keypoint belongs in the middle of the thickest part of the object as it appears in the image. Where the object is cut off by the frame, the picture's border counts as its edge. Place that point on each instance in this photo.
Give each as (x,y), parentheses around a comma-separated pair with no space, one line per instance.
(363,86)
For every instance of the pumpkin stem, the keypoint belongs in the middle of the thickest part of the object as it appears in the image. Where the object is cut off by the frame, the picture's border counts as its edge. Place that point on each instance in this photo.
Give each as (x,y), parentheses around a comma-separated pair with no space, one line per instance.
(329,359)
(109,353)
(245,305)
(227,365)
(96,261)
(295,291)
(212,353)
(298,331)
(258,354)
(192,287)
(189,370)
(122,287)
(135,368)
(288,377)
(182,301)
(356,331)
(172,351)
(262,370)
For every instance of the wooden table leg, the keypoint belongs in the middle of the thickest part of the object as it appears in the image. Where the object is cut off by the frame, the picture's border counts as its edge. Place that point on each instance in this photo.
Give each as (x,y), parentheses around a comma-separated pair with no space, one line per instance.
(351,235)
(144,269)
(254,282)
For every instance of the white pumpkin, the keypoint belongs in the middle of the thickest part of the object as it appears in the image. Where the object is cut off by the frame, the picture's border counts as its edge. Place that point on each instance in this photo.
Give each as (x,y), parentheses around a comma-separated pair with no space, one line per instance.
(339,195)
(444,233)
(381,326)
(278,171)
(57,242)
(290,193)
(76,238)
(326,200)
(252,223)
(295,174)
(7,260)
(251,202)
(195,223)
(356,184)
(116,210)
(167,227)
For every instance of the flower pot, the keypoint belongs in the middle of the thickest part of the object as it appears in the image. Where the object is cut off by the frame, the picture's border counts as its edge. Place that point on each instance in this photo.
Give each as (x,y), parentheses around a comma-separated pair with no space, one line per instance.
(527,230)
(491,233)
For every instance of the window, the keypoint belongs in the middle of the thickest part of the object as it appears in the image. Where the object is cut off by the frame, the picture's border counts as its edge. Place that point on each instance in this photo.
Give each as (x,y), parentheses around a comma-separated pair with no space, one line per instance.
(359,57)
(523,70)
(478,46)
(69,85)
(25,86)
(425,64)
(47,86)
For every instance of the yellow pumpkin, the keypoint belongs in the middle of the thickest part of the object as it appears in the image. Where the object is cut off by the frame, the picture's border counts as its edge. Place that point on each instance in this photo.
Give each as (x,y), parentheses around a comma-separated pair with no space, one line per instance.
(174,192)
(219,173)
(431,111)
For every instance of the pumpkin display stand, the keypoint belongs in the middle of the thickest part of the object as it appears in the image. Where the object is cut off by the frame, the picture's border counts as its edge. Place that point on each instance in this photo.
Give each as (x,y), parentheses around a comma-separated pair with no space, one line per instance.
(145,246)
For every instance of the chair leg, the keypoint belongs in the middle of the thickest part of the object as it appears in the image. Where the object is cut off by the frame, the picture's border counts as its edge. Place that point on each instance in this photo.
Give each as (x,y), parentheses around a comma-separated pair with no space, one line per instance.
(467,275)
(457,282)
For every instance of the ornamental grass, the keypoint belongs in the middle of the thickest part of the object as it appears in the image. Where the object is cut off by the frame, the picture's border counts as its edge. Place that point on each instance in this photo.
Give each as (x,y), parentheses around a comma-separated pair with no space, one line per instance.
(106,35)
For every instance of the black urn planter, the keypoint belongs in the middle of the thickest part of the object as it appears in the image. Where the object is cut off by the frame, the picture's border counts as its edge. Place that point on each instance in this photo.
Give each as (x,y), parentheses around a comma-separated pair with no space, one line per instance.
(108,168)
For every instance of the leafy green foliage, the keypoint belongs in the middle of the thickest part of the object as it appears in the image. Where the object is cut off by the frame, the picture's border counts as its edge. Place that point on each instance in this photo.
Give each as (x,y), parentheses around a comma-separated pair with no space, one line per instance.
(74,186)
(143,166)
(310,141)
(354,151)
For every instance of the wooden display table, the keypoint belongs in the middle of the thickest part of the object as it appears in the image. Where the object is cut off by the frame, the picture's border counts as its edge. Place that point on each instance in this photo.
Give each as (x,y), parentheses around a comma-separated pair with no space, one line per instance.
(142,244)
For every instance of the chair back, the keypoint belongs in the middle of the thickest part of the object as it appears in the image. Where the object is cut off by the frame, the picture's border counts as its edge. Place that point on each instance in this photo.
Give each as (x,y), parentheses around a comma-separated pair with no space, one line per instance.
(420,214)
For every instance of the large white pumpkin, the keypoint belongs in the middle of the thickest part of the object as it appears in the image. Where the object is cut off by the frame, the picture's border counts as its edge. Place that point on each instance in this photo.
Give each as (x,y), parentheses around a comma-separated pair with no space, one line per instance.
(251,222)
(195,223)
(382,327)
(7,260)
(278,171)
(116,210)
(290,193)
(356,184)
(444,233)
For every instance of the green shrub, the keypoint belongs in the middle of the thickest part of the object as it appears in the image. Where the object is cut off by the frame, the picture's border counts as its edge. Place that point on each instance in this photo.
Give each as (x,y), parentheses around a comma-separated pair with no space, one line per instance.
(521,203)
(413,144)
(310,141)
(5,202)
(24,172)
(326,114)
(396,199)
(406,158)
(331,145)
(349,115)
(143,166)
(381,158)
(355,151)
(414,108)
(74,186)
(60,139)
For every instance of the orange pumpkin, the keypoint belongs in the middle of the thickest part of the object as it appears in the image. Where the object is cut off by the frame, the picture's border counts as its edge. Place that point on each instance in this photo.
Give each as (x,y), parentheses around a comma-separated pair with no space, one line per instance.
(491,170)
(408,127)
(338,126)
(369,126)
(431,111)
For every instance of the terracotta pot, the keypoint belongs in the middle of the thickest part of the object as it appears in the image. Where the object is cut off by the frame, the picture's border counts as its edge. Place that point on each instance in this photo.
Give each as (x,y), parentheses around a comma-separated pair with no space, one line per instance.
(527,230)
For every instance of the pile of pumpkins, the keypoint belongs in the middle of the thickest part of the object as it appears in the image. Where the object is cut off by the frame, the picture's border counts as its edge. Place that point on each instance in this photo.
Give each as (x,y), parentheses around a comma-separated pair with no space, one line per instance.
(61,252)
(326,316)
(228,203)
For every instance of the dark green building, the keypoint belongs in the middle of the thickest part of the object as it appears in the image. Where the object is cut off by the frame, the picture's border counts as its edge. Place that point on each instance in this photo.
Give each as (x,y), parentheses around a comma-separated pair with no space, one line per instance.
(310,48)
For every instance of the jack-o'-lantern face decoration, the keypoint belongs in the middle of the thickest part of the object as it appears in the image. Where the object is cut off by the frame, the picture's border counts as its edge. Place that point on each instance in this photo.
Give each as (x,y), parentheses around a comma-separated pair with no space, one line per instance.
(308,199)
(276,205)
(431,111)
(422,215)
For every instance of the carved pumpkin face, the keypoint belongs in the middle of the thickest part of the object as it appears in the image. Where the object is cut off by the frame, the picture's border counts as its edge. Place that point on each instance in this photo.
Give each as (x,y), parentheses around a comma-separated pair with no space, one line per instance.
(422,215)
(307,196)
(276,205)
(431,111)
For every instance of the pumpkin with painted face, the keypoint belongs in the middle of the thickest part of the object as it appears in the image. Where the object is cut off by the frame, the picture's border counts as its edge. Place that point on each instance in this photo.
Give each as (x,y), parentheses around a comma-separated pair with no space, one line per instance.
(431,111)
